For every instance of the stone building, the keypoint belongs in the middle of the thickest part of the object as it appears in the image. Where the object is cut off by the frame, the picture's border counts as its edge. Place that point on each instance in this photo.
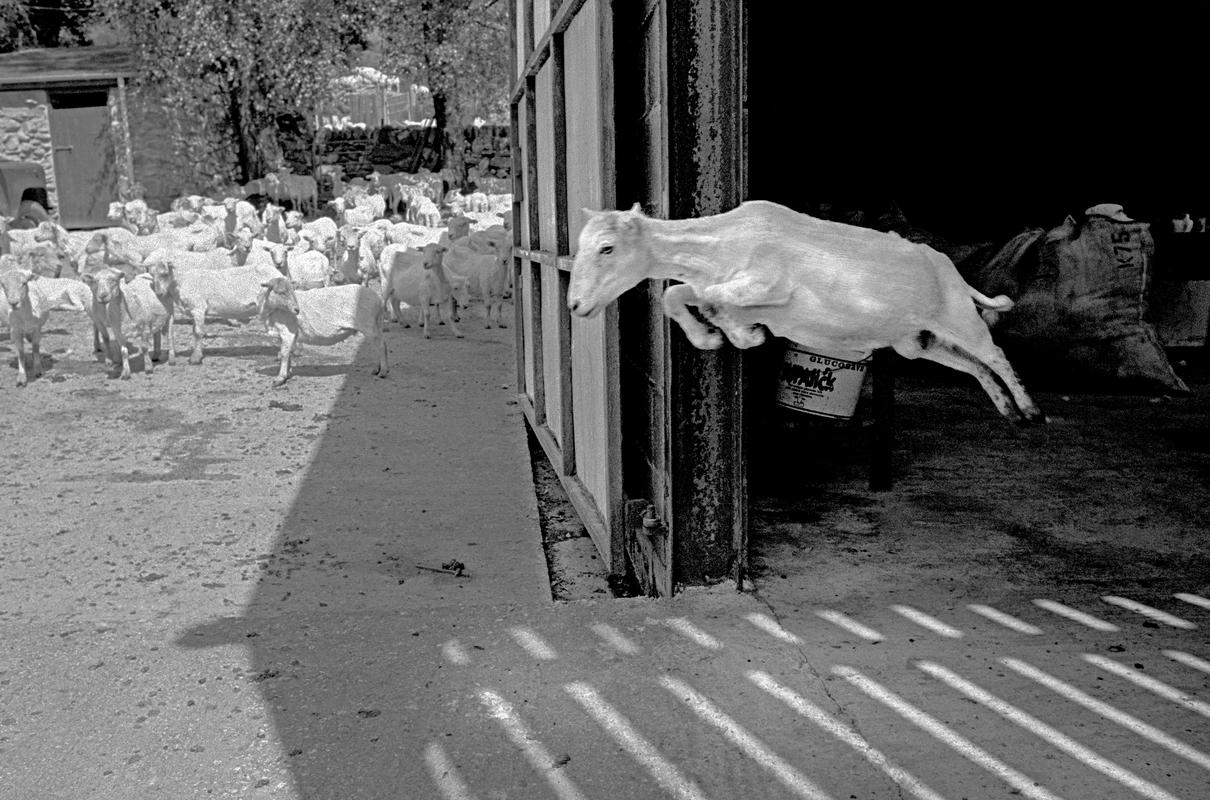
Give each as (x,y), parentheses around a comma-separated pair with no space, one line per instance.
(66,109)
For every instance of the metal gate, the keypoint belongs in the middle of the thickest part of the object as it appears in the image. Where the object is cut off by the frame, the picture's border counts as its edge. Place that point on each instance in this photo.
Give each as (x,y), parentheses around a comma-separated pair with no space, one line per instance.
(86,170)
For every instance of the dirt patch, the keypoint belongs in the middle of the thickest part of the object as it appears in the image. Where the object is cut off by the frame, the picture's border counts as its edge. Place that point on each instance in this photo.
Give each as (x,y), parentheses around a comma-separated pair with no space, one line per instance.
(1112,491)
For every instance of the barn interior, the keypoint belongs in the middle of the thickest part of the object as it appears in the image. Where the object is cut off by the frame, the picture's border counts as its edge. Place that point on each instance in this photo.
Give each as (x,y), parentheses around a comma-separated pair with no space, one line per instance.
(969,139)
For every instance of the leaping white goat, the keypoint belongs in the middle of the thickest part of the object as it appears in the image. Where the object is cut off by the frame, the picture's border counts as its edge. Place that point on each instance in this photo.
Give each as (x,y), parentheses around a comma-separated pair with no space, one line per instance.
(822,284)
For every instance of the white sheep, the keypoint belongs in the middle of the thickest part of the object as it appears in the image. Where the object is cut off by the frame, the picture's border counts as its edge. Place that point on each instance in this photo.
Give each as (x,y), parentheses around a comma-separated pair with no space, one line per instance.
(227,294)
(423,211)
(306,269)
(30,299)
(130,308)
(321,317)
(419,279)
(486,275)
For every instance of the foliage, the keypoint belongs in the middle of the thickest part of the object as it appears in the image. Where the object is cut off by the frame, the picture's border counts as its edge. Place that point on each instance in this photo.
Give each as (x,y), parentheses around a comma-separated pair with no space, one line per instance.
(226,70)
(458,48)
(44,23)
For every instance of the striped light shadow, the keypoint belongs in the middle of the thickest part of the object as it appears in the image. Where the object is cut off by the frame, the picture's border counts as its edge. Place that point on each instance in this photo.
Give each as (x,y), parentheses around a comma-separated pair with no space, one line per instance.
(1131,723)
(1160,688)
(1075,615)
(449,783)
(1147,611)
(1007,620)
(849,624)
(1050,735)
(904,779)
(455,653)
(619,728)
(1189,660)
(1022,783)
(537,755)
(798,784)
(615,638)
(533,644)
(1193,599)
(772,627)
(926,621)
(693,633)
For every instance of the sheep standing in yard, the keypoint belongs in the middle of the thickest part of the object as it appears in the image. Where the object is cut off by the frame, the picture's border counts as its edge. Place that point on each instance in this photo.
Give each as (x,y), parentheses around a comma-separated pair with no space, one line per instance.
(486,275)
(29,301)
(321,317)
(226,294)
(419,279)
(130,309)
(306,268)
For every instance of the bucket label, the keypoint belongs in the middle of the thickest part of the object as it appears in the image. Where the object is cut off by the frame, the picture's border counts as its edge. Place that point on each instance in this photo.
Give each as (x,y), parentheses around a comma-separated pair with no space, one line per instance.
(818,384)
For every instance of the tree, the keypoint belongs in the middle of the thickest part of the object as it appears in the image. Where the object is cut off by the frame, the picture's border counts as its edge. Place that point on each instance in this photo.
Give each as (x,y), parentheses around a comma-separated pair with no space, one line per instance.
(458,48)
(44,23)
(227,69)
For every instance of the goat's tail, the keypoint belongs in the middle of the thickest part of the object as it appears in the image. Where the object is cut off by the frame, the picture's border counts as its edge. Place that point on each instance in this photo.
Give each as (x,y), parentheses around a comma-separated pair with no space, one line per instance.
(1000,302)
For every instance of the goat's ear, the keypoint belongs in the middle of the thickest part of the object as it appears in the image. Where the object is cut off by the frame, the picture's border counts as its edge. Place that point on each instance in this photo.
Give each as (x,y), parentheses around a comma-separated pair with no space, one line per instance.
(637,208)
(588,213)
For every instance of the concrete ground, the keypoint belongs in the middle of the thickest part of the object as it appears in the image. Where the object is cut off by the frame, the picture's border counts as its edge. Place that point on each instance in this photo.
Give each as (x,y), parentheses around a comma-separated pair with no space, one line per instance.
(214,589)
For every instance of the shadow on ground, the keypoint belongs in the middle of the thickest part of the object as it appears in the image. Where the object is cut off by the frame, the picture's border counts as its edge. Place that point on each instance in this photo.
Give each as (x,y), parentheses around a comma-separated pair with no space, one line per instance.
(406,474)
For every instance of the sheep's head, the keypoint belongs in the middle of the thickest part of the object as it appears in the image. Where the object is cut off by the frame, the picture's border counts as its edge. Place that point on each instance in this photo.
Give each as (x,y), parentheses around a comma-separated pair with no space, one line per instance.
(276,294)
(277,253)
(294,219)
(458,226)
(612,257)
(15,283)
(243,240)
(106,283)
(272,212)
(163,277)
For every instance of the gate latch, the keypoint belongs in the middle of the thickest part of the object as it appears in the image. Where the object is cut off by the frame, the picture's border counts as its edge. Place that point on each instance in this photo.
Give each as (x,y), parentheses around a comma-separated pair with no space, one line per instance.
(651,521)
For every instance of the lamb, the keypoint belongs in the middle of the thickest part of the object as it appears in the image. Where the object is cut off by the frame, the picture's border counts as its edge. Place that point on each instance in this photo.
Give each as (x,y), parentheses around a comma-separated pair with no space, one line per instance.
(321,317)
(347,266)
(355,215)
(424,211)
(306,269)
(228,293)
(418,278)
(486,275)
(30,299)
(321,231)
(823,284)
(116,293)
(240,214)
(139,215)
(272,223)
(458,226)
(250,250)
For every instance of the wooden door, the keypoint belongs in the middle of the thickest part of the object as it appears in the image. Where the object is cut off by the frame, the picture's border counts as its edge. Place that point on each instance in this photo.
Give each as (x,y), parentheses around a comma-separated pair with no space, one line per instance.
(86,173)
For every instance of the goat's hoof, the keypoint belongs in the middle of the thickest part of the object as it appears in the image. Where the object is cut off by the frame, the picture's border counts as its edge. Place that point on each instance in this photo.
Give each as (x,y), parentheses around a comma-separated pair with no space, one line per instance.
(710,341)
(125,376)
(195,360)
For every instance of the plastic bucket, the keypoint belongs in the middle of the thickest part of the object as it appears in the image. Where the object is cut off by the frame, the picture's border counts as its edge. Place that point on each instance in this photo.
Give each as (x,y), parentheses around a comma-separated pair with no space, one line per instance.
(820,384)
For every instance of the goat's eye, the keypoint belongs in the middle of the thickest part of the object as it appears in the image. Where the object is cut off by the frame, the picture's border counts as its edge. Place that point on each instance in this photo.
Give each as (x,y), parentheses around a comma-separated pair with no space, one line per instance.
(606,249)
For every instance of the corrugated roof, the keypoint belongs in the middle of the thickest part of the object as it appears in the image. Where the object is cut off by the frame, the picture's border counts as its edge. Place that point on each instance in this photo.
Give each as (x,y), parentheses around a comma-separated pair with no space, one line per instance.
(65,66)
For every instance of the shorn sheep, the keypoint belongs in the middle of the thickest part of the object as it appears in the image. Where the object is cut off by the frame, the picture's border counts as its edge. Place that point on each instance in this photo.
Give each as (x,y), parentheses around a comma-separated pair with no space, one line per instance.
(323,317)
(823,284)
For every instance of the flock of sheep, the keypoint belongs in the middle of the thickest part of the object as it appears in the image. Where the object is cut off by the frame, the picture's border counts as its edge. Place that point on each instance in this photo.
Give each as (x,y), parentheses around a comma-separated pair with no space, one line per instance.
(308,280)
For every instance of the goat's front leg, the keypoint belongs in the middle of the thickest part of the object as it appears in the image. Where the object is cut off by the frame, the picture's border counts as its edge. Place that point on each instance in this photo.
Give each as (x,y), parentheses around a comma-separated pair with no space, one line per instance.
(285,350)
(677,300)
(741,335)
(18,336)
(199,330)
(447,309)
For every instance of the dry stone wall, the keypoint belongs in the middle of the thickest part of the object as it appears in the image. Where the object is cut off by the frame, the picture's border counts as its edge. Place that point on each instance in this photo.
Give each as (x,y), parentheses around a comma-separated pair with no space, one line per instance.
(25,133)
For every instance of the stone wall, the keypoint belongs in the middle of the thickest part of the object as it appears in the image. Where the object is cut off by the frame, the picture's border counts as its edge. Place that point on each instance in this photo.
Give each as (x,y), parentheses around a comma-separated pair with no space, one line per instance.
(25,133)
(407,148)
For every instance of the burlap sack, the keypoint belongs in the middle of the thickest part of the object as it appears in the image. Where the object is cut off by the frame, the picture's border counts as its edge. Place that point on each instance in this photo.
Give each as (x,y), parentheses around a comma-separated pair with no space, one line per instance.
(1081,304)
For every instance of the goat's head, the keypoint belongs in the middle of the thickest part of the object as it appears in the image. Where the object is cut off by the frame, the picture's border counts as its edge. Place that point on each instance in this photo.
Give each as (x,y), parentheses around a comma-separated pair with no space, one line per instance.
(276,293)
(612,257)
(15,283)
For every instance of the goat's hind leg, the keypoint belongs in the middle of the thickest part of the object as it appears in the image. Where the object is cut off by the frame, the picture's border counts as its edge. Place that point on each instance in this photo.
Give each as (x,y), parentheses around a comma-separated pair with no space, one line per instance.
(927,345)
